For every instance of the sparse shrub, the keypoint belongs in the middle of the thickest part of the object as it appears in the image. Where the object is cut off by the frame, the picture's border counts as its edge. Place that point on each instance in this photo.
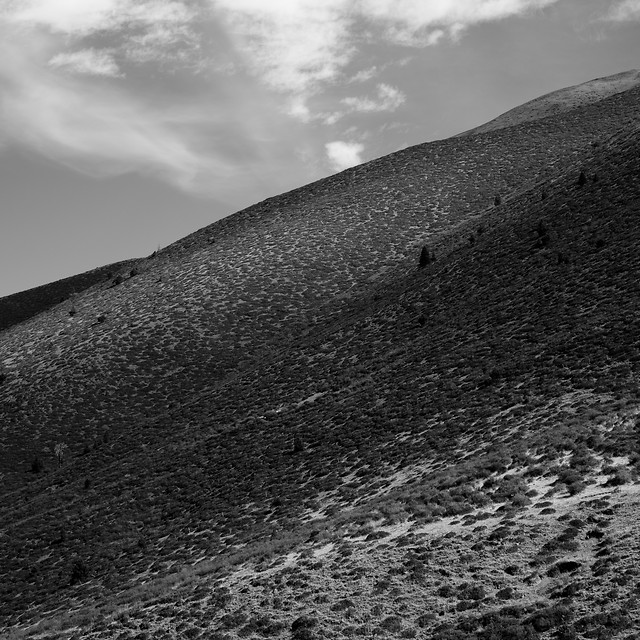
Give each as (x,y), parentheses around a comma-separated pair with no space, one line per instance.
(233,620)
(471,592)
(618,476)
(392,624)
(549,617)
(301,628)
(298,445)
(541,229)
(79,571)
(37,466)
(446,591)
(425,619)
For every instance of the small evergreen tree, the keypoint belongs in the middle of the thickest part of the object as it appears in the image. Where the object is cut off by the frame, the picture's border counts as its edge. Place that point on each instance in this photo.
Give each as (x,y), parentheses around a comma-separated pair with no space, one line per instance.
(79,571)
(497,201)
(582,179)
(425,258)
(298,445)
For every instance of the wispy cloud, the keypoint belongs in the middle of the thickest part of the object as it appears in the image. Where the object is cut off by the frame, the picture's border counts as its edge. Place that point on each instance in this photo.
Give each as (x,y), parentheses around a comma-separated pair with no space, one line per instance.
(70,118)
(388,98)
(299,46)
(624,11)
(87,61)
(343,155)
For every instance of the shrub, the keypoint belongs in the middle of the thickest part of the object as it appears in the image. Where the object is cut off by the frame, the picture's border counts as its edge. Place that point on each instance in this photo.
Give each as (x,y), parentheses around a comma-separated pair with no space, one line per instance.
(301,628)
(391,623)
(424,620)
(37,466)
(505,594)
(618,476)
(79,571)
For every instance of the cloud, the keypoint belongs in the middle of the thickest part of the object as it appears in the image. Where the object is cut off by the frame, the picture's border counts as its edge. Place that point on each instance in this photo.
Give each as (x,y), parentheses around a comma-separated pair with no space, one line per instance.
(139,30)
(299,46)
(343,155)
(216,146)
(93,127)
(388,99)
(87,61)
(624,11)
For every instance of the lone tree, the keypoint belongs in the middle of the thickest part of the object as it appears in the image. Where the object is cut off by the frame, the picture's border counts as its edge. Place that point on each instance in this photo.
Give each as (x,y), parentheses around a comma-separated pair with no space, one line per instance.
(582,179)
(497,200)
(425,257)
(59,450)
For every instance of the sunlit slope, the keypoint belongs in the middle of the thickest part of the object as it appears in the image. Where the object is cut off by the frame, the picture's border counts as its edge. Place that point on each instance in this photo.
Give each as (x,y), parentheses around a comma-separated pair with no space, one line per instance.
(562,100)
(528,316)
(220,300)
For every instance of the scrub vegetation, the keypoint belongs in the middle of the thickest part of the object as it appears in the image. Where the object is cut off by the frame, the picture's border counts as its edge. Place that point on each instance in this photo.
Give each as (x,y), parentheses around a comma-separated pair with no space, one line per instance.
(382,405)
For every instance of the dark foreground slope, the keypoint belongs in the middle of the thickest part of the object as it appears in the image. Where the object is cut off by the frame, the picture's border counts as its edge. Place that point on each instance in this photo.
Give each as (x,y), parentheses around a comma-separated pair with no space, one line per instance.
(120,358)
(442,399)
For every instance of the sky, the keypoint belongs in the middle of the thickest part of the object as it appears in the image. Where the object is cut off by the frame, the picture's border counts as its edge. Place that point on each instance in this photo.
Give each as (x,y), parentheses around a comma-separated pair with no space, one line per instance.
(127,124)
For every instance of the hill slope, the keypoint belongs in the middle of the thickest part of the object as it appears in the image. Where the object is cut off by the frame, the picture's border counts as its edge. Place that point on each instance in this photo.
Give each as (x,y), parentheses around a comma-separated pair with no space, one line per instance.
(23,305)
(562,100)
(501,372)
(217,301)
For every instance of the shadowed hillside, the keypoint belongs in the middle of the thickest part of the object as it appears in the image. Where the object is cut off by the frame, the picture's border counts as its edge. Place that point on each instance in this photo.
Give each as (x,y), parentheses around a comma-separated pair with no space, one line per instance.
(282,426)
(24,305)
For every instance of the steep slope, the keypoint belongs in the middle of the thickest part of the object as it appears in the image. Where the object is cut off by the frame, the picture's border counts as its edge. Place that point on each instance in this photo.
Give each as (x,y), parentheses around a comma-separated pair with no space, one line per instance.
(217,302)
(563,100)
(21,306)
(434,393)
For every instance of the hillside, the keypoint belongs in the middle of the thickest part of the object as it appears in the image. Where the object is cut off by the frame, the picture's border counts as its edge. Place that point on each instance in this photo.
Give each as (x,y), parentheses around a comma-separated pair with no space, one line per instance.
(562,100)
(23,305)
(281,426)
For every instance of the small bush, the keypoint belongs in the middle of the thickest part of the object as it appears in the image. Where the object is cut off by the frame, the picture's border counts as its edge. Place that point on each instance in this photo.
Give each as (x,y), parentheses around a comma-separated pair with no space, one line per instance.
(301,628)
(79,571)
(37,466)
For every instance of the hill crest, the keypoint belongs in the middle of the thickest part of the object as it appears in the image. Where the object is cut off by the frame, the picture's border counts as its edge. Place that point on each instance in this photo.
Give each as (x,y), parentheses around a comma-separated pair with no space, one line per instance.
(562,100)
